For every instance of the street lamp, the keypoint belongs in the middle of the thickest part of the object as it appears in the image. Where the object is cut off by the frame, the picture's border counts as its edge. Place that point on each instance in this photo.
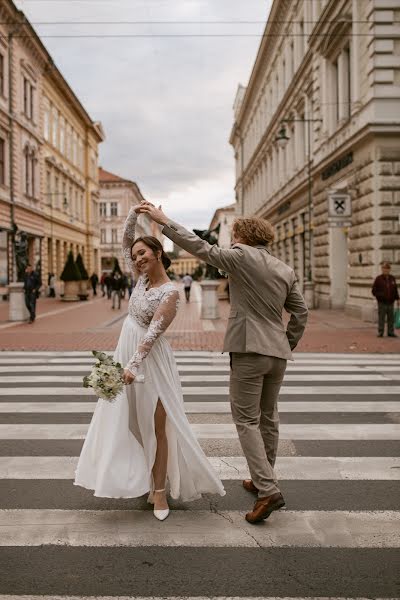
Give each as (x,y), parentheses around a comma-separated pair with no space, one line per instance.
(282,140)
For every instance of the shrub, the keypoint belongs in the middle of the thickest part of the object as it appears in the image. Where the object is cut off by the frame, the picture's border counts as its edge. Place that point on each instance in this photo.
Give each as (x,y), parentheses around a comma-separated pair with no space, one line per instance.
(81,267)
(71,271)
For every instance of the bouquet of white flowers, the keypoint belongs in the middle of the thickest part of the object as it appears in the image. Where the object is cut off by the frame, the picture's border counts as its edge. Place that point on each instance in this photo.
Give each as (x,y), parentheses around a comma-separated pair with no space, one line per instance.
(106,377)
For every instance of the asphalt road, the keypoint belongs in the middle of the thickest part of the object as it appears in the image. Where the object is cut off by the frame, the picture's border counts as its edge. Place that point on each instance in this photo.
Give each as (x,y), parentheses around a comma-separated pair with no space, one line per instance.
(338,538)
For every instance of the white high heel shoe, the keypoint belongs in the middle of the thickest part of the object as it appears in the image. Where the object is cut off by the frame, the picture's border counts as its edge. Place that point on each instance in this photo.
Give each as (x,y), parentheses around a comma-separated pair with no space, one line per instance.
(161,515)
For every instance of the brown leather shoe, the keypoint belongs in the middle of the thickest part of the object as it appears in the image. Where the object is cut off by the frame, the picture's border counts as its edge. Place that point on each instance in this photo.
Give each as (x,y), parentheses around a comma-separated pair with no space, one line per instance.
(264,507)
(249,486)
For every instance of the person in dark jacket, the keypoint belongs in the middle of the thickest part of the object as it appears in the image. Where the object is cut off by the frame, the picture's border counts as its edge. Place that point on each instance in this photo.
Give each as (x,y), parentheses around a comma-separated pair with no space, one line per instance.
(94,280)
(116,284)
(31,290)
(108,284)
(386,292)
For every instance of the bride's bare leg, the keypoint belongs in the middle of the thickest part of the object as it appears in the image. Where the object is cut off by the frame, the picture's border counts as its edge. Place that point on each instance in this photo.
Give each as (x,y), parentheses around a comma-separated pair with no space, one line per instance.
(160,463)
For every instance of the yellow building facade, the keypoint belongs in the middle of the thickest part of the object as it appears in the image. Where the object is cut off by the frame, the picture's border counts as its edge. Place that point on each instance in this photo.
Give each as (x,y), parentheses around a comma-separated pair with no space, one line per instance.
(48,157)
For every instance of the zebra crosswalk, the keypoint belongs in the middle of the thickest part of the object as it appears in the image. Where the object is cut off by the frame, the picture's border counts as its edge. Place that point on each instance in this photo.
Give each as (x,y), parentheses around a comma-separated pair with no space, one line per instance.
(338,466)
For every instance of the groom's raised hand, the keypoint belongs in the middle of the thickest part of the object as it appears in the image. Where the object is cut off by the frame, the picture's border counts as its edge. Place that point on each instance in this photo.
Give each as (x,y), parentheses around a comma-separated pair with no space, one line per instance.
(154,213)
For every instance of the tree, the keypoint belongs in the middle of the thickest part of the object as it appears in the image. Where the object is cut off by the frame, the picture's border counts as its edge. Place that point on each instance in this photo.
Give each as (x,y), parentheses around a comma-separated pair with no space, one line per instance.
(81,267)
(71,271)
(116,268)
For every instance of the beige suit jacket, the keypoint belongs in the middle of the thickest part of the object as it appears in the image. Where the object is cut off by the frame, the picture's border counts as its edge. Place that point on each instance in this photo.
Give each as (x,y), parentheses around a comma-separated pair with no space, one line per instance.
(261,286)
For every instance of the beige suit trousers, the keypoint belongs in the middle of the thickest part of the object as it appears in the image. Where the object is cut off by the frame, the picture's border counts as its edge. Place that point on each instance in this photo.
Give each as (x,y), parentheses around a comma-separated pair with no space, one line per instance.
(254,388)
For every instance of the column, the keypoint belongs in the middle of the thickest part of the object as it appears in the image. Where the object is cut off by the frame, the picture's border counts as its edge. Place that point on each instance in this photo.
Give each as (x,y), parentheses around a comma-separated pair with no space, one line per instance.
(298,143)
(323,84)
(355,56)
(298,43)
(343,85)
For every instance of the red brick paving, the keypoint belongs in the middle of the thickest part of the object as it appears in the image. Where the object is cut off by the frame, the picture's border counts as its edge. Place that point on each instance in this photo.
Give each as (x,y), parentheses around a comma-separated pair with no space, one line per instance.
(94,325)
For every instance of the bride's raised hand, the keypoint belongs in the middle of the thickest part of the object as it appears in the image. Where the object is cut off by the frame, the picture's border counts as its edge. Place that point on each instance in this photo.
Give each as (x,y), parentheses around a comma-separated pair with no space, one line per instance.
(154,213)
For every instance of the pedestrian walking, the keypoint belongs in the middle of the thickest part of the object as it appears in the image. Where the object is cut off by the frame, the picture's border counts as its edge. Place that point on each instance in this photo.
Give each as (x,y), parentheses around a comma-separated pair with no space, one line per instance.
(131,284)
(108,284)
(187,285)
(116,285)
(31,290)
(52,285)
(94,280)
(259,344)
(124,286)
(386,293)
(103,285)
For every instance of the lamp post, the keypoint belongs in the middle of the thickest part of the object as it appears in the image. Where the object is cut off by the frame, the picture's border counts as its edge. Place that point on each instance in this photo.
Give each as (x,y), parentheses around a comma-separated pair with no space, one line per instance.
(282,140)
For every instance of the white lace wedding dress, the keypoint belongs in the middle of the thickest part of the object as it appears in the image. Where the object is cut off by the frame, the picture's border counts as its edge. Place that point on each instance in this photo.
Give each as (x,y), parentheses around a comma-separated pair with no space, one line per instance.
(120,447)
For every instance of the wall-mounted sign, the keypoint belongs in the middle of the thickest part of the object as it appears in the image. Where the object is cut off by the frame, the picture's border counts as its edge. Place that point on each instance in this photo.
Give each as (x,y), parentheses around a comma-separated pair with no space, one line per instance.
(339,206)
(337,166)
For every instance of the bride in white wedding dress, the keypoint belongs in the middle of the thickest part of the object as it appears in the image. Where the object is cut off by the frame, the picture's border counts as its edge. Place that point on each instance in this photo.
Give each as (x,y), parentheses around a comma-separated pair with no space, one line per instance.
(143,440)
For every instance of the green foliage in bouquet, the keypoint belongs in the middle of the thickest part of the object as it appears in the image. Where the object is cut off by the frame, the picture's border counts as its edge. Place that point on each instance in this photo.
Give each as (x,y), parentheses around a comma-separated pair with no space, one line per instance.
(81,267)
(71,271)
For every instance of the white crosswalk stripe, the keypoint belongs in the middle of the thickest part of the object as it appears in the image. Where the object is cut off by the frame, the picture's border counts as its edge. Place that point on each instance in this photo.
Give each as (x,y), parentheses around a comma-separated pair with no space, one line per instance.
(338,464)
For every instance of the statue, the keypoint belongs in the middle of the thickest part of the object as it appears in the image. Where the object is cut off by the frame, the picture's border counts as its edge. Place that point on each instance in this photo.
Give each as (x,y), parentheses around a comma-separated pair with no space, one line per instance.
(21,252)
(210,236)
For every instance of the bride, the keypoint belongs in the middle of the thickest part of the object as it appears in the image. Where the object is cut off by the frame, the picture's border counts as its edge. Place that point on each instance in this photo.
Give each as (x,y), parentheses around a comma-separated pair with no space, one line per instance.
(142,440)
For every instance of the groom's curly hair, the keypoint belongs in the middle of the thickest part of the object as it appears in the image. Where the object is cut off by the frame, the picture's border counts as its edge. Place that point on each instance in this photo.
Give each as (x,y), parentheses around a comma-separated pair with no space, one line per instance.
(254,231)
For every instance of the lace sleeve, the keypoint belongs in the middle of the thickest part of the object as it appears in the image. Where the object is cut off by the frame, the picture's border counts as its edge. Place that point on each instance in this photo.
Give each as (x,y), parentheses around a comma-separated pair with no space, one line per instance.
(160,322)
(128,237)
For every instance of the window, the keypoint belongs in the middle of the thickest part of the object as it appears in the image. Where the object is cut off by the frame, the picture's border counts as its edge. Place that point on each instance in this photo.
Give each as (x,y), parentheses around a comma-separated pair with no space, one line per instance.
(68,142)
(103,209)
(28,98)
(102,236)
(2,162)
(114,209)
(56,192)
(30,172)
(114,236)
(48,187)
(62,135)
(27,169)
(2,75)
(46,122)
(55,128)
(74,148)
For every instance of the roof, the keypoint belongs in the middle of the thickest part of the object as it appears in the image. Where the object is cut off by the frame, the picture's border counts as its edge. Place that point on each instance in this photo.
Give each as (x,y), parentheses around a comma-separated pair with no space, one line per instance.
(108,177)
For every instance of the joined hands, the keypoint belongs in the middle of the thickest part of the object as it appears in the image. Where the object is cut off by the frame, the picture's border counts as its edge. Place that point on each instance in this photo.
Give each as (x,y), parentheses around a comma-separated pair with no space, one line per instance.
(156,214)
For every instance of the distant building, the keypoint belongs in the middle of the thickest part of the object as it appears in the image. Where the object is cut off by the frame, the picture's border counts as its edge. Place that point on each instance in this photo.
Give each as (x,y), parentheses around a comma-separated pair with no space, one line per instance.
(185,263)
(224,217)
(117,195)
(322,108)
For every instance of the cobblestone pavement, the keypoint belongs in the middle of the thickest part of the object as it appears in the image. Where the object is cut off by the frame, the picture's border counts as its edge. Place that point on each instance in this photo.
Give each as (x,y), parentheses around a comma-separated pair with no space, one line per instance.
(93,324)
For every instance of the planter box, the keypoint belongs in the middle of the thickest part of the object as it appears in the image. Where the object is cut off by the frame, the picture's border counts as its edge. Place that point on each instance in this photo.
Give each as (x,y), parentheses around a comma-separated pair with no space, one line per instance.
(83,289)
(71,291)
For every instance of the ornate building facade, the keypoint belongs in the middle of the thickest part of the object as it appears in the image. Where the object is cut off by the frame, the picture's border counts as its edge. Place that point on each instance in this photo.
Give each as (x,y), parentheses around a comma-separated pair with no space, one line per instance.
(316,140)
(117,195)
(48,156)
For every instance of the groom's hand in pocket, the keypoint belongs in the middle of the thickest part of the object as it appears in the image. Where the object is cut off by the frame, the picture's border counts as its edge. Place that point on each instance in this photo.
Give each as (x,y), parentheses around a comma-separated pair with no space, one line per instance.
(128,377)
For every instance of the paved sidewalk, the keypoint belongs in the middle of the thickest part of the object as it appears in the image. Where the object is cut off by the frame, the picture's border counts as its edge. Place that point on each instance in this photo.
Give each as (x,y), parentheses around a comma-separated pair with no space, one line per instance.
(94,325)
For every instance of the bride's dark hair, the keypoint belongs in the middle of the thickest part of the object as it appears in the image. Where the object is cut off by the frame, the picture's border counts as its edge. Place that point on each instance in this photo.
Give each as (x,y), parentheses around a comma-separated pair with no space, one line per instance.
(155,245)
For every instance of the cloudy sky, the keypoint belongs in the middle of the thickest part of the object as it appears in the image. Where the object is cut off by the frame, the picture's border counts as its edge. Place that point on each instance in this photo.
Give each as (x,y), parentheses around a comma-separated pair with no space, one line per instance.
(165,99)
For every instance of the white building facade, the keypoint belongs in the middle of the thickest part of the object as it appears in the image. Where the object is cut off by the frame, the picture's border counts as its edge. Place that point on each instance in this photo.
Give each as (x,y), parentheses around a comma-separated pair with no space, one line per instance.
(117,195)
(326,84)
(224,217)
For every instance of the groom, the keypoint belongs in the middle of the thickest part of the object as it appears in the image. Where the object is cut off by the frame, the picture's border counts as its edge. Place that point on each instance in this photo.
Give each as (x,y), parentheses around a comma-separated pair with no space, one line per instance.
(261,286)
